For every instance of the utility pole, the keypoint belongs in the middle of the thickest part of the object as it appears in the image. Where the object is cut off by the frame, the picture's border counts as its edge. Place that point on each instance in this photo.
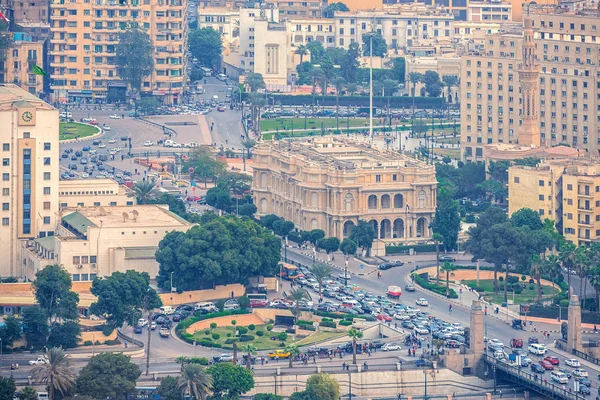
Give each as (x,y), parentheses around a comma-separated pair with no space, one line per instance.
(148,344)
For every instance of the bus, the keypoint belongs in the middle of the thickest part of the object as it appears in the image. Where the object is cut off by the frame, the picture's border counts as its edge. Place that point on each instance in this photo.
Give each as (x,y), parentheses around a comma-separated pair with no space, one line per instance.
(257,299)
(290,272)
(144,393)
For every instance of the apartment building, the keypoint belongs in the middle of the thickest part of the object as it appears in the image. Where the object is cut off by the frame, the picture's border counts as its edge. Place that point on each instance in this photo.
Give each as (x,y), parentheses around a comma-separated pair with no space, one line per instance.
(20,59)
(567,52)
(79,193)
(18,11)
(97,241)
(224,20)
(30,156)
(489,11)
(402,27)
(85,35)
(297,8)
(332,183)
(567,192)
(306,30)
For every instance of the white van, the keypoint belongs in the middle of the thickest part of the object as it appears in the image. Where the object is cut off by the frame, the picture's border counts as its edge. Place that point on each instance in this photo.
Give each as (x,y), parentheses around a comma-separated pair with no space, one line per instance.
(167,310)
(43,396)
(559,377)
(206,306)
(142,322)
(538,349)
(349,303)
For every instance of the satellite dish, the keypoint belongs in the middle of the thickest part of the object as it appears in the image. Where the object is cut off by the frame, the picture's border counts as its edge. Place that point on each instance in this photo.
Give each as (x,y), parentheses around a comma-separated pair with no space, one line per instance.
(125,216)
(136,214)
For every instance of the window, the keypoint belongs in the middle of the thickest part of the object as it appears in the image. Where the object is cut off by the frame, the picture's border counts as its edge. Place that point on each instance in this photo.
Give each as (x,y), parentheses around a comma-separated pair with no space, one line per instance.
(394,177)
(5,221)
(84,259)
(5,177)
(76,260)
(5,192)
(5,162)
(46,160)
(46,176)
(93,259)
(46,190)
(76,278)
(541,183)
(541,211)
(5,146)
(517,179)
(541,197)
(47,145)
(46,205)
(569,216)
(46,220)
(377,178)
(96,204)
(569,187)
(113,203)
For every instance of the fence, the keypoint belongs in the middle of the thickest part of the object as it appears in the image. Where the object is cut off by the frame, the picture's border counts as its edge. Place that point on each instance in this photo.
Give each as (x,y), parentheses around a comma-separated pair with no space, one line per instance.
(586,356)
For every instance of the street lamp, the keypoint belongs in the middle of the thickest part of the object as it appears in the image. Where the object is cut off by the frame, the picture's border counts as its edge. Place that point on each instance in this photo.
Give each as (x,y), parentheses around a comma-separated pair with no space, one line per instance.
(172,281)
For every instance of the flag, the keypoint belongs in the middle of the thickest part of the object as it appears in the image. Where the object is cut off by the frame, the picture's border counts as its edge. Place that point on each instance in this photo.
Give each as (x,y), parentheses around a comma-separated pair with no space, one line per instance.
(407,208)
(3,17)
(38,71)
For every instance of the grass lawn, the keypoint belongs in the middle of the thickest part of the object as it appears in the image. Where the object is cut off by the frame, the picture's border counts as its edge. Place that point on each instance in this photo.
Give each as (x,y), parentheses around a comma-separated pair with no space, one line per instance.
(267,125)
(71,130)
(452,140)
(452,153)
(526,296)
(318,337)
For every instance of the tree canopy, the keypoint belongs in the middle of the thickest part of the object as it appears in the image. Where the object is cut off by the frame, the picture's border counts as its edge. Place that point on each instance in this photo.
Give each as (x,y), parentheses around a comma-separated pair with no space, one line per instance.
(122,295)
(230,381)
(108,376)
(52,287)
(221,251)
(363,235)
(447,222)
(379,44)
(134,57)
(206,45)
(204,165)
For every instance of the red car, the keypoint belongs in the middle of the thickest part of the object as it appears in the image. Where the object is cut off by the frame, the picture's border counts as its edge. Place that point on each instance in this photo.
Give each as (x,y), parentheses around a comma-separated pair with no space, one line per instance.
(258,303)
(516,343)
(384,317)
(547,365)
(552,360)
(93,122)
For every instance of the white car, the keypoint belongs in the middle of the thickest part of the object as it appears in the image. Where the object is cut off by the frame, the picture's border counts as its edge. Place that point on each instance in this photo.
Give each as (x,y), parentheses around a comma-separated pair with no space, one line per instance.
(114,116)
(112,152)
(148,143)
(391,347)
(402,317)
(88,119)
(422,302)
(177,145)
(39,361)
(101,146)
(93,151)
(112,140)
(85,175)
(191,144)
(495,344)
(580,373)
(573,362)
(419,330)
(106,128)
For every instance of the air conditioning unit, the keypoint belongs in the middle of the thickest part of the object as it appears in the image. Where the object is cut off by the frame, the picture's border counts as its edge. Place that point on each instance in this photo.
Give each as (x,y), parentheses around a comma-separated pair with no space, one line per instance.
(80,266)
(93,265)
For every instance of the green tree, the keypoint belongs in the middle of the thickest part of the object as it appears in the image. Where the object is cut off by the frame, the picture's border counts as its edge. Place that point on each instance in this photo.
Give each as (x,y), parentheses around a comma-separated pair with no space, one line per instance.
(389,87)
(494,190)
(354,334)
(348,247)
(526,217)
(447,267)
(322,387)
(414,78)
(248,145)
(221,251)
(301,51)
(349,65)
(321,272)
(244,302)
(293,351)
(250,350)
(317,52)
(27,393)
(108,376)
(433,84)
(267,396)
(7,388)
(339,83)
(446,223)
(268,220)
(144,191)
(282,227)
(206,45)
(257,102)
(330,10)
(219,198)
(148,105)
(498,170)
(134,57)
(234,182)
(363,235)
(35,327)
(297,296)
(204,165)
(312,236)
(567,257)
(399,69)
(65,335)
(255,82)
(10,332)
(195,382)
(168,389)
(330,244)
(121,295)
(230,381)
(52,287)
(247,209)
(379,44)
(56,374)
(6,40)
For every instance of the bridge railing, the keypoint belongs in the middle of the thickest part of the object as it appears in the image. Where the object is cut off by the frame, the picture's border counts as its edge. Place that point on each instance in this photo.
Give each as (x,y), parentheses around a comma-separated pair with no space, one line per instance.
(586,356)
(534,382)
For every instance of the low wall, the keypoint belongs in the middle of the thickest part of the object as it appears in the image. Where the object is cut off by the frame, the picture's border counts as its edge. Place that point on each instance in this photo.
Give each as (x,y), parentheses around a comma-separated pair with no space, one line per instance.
(471,275)
(380,383)
(194,296)
(97,335)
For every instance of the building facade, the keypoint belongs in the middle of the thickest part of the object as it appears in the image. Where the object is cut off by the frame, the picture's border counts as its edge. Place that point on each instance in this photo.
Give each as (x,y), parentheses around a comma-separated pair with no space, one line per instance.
(20,59)
(489,11)
(30,156)
(332,184)
(84,38)
(567,192)
(98,241)
(105,192)
(297,8)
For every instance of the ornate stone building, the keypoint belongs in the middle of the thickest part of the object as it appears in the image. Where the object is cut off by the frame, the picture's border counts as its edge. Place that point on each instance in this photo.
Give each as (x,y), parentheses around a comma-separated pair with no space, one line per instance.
(332,183)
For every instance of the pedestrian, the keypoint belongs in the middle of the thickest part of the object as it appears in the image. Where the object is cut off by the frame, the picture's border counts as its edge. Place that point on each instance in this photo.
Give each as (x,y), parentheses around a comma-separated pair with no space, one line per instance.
(366,366)
(330,356)
(344,365)
(125,343)
(500,391)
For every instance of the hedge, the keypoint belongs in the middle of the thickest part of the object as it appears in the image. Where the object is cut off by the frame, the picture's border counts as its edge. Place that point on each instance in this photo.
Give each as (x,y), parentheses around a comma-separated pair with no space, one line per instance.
(439,289)
(343,315)
(420,248)
(328,324)
(378,101)
(186,323)
(345,323)
(196,360)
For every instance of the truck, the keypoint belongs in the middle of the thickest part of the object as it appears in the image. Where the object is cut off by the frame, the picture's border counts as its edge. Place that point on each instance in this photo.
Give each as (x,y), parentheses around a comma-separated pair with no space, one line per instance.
(394,292)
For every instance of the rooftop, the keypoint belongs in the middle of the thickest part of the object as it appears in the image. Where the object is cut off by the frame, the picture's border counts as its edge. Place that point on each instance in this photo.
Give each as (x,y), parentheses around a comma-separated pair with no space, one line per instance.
(12,96)
(125,216)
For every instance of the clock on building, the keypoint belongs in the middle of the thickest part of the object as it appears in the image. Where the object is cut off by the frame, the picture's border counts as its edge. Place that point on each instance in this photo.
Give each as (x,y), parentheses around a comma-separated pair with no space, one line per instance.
(26,116)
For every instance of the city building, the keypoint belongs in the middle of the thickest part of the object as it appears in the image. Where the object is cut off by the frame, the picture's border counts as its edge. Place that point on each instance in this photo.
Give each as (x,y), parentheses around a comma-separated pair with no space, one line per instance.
(297,8)
(332,183)
(489,11)
(448,65)
(19,11)
(566,98)
(224,20)
(30,156)
(475,32)
(306,30)
(97,241)
(93,193)
(567,192)
(84,38)
(20,59)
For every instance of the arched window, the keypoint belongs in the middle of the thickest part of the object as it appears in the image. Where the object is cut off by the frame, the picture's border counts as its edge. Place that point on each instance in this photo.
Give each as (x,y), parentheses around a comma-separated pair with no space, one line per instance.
(372,202)
(314,200)
(263,206)
(263,180)
(398,201)
(348,202)
(385,201)
(422,198)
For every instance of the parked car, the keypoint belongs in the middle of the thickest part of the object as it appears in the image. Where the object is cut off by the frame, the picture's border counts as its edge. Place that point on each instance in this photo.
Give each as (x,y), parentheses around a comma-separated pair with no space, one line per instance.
(39,361)
(137,329)
(552,360)
(391,347)
(447,258)
(580,373)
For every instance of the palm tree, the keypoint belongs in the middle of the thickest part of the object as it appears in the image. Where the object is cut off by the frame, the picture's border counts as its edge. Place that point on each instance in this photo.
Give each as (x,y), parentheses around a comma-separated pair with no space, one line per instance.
(56,374)
(293,351)
(437,238)
(248,144)
(296,296)
(594,278)
(567,259)
(301,51)
(447,267)
(144,191)
(321,271)
(249,350)
(195,382)
(414,78)
(536,273)
(256,101)
(354,334)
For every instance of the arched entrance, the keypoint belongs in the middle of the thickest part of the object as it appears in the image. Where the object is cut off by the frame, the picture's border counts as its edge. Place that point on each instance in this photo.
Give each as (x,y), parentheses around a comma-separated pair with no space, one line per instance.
(375,226)
(398,201)
(398,228)
(421,227)
(348,227)
(385,229)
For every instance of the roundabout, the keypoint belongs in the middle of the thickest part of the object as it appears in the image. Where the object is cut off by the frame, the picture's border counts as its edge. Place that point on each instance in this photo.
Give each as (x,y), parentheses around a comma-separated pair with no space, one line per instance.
(76,131)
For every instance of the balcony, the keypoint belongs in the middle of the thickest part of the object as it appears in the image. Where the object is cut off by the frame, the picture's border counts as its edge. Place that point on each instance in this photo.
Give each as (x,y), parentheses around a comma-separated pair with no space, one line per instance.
(585,222)
(585,194)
